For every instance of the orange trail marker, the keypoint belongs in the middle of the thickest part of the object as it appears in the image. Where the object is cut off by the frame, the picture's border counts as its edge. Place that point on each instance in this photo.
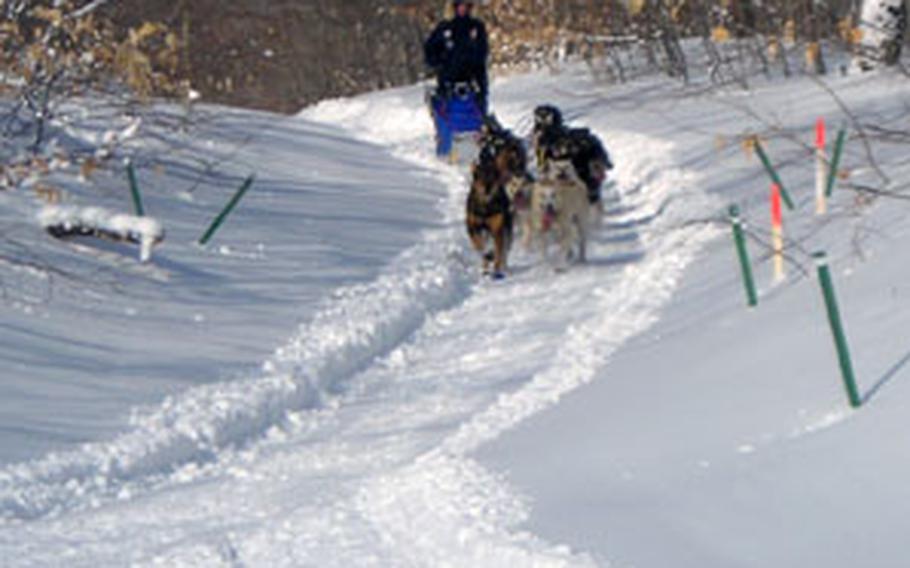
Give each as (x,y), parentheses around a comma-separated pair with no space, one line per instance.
(777,232)
(821,169)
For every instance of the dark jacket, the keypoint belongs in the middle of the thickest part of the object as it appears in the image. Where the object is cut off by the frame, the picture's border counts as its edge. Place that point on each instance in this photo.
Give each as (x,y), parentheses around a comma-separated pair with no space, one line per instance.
(457,50)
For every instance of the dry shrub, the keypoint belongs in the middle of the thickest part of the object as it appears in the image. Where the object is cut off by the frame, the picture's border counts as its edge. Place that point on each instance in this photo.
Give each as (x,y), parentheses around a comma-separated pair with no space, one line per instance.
(55,51)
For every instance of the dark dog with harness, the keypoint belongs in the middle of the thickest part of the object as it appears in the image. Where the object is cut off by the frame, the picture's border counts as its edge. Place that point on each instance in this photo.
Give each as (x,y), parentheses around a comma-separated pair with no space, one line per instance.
(554,141)
(507,149)
(489,214)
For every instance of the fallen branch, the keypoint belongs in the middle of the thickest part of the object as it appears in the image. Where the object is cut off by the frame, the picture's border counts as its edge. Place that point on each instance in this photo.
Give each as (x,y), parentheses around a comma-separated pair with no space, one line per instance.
(67,221)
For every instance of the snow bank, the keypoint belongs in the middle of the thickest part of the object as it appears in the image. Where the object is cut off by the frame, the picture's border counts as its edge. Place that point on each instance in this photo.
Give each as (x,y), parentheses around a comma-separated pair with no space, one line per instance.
(361,323)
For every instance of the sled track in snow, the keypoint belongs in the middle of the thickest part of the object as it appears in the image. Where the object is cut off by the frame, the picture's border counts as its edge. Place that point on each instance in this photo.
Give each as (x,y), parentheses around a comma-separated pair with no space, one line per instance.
(357,325)
(363,324)
(474,512)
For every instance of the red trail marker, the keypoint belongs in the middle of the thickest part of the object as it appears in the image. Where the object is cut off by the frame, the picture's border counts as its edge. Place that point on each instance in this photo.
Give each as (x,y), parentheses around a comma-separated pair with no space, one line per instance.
(777,232)
(821,169)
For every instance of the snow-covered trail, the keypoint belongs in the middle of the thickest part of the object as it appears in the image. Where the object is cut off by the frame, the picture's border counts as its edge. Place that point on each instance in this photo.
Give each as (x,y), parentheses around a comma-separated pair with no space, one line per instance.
(354,447)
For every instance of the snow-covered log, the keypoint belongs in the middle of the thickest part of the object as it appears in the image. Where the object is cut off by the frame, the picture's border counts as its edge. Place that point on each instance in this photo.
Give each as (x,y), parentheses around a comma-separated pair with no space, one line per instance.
(63,221)
(883,24)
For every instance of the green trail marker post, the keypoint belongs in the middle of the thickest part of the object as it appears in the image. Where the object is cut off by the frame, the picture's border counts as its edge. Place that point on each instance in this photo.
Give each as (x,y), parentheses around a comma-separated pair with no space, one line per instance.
(837,329)
(739,239)
(835,161)
(134,189)
(216,224)
(772,173)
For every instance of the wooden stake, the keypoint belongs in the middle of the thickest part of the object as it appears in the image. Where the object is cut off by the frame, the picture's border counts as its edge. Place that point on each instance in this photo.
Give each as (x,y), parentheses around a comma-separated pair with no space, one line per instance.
(134,189)
(227,210)
(772,173)
(837,330)
(835,160)
(739,239)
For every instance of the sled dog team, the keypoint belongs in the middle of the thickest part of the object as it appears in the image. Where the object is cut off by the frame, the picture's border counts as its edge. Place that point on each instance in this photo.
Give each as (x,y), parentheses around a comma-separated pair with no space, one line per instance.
(559,206)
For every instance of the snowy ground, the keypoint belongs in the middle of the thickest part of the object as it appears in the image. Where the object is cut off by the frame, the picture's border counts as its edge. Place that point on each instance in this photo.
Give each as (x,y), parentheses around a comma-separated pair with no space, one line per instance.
(630,412)
(92,333)
(722,437)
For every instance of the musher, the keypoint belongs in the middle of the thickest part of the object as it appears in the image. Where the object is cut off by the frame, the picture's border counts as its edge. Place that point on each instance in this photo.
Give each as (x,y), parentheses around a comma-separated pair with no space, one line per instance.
(457,51)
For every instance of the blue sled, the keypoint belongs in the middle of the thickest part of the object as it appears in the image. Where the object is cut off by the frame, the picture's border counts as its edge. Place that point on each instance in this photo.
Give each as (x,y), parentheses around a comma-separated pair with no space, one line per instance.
(454,115)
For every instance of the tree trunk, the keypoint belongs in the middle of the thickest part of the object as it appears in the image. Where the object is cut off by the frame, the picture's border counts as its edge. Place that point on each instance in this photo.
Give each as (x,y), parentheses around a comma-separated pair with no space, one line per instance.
(883,24)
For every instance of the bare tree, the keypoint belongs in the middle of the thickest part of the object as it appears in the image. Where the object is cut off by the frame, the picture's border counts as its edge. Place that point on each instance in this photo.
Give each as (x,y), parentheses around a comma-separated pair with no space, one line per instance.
(53,52)
(883,25)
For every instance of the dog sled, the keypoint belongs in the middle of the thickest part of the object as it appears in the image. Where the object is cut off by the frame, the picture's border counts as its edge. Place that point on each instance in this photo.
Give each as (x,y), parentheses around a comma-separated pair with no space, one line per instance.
(458,115)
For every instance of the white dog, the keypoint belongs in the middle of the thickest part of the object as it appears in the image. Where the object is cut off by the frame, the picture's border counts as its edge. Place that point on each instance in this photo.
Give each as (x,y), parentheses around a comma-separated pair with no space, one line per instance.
(520,190)
(560,210)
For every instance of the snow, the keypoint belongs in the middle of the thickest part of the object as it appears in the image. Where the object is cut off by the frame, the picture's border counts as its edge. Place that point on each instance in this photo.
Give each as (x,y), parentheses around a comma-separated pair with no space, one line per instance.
(331,382)
(196,315)
(724,434)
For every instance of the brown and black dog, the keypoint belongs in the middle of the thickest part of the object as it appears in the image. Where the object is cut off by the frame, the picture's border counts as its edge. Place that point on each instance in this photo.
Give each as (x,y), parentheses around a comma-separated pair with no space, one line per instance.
(500,167)
(489,214)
